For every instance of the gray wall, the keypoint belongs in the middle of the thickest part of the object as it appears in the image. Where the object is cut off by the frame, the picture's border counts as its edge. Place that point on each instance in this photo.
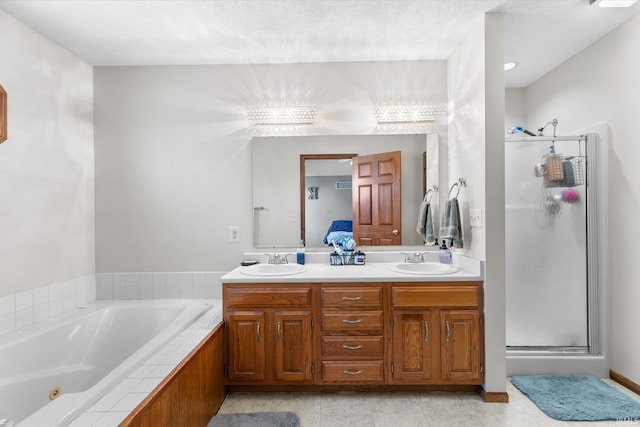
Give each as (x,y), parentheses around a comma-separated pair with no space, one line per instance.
(600,84)
(330,205)
(172,144)
(46,164)
(476,153)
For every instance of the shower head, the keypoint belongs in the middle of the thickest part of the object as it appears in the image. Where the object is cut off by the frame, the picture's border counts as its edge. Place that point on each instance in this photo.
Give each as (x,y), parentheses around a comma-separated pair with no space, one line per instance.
(553,122)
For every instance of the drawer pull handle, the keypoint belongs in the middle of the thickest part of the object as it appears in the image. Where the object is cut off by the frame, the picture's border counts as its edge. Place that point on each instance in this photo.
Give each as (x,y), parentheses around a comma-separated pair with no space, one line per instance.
(426,331)
(349,347)
(351,298)
(348,372)
(448,330)
(258,330)
(351,321)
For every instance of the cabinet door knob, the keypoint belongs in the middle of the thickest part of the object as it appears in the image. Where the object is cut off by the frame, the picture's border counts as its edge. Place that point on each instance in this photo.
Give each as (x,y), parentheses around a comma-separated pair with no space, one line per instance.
(395,232)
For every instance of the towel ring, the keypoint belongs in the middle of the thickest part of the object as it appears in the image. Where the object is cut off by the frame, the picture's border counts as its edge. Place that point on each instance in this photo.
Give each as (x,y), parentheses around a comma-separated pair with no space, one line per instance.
(429,195)
(457,187)
(462,182)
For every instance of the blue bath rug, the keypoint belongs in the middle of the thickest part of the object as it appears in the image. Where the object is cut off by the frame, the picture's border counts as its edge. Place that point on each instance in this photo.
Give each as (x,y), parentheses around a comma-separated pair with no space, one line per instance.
(577,398)
(256,419)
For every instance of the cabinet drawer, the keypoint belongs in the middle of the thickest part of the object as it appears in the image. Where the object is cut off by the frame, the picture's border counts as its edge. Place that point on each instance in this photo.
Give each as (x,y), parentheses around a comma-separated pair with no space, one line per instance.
(352,346)
(267,297)
(440,296)
(356,371)
(345,297)
(352,320)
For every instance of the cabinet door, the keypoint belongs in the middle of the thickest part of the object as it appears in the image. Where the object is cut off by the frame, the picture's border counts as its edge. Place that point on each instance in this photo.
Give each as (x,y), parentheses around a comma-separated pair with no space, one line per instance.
(246,334)
(292,345)
(460,331)
(413,338)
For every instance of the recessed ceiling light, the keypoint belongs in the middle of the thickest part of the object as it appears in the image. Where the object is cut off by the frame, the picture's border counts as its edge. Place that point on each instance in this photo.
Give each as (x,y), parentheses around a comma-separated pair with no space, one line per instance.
(508,66)
(613,3)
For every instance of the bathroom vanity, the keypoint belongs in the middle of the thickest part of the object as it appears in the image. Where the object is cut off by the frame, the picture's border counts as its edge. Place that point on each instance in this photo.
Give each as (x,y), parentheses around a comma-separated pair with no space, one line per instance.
(341,327)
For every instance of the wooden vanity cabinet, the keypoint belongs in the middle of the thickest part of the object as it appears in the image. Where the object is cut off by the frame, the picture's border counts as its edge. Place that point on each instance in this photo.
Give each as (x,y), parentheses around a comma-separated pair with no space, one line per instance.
(461,358)
(413,347)
(269,333)
(354,334)
(436,333)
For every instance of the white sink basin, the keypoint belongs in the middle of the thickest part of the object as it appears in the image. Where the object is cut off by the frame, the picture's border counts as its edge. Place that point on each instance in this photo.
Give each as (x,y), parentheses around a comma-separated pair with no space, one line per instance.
(424,268)
(273,269)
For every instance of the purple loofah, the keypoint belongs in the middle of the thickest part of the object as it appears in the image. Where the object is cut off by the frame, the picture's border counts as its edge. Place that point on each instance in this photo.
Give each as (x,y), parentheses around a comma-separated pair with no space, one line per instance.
(570,195)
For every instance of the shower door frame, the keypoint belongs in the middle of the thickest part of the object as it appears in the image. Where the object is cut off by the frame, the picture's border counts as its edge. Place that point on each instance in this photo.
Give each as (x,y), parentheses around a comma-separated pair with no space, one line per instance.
(591,358)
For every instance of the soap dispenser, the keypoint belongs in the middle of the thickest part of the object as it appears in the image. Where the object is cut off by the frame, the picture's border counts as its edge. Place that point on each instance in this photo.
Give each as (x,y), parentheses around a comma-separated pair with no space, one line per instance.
(444,254)
(300,253)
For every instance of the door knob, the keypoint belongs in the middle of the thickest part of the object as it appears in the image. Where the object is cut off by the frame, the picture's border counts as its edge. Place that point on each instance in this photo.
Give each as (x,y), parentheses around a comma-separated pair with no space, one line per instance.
(395,232)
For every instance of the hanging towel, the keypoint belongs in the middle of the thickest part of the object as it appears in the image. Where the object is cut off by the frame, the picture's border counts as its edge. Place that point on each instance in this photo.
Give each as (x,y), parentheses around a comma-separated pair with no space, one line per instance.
(422,217)
(425,222)
(450,226)
(429,235)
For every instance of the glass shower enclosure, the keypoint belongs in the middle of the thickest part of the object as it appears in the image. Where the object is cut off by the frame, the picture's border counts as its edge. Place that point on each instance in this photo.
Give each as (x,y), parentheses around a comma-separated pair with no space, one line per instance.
(551,297)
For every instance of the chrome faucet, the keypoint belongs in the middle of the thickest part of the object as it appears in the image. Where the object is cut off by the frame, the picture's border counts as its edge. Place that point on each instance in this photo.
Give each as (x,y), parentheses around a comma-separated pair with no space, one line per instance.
(278,258)
(414,258)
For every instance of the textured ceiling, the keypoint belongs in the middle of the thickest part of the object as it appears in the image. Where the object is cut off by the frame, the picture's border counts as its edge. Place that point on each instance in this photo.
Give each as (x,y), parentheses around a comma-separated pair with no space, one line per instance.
(539,34)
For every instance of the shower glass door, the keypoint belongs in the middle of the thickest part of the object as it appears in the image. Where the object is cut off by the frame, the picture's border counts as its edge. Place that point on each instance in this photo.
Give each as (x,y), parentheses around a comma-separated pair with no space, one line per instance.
(546,246)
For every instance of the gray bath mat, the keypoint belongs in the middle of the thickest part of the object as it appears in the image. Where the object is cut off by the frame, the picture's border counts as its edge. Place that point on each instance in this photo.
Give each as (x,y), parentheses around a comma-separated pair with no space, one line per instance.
(256,419)
(577,398)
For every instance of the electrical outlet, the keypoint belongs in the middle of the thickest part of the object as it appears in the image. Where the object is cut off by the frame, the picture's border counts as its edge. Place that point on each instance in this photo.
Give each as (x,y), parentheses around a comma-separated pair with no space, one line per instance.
(475,217)
(293,217)
(234,234)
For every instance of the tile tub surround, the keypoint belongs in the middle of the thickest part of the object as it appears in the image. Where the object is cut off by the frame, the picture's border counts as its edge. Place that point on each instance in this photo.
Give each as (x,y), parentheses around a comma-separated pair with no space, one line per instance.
(26,308)
(155,285)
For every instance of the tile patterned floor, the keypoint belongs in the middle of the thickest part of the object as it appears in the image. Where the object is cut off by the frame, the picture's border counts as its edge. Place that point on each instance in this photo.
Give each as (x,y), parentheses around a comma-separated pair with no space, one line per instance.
(429,409)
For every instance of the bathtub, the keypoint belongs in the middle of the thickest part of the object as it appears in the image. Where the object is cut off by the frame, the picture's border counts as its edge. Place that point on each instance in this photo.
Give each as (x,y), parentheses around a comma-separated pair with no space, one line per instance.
(51,373)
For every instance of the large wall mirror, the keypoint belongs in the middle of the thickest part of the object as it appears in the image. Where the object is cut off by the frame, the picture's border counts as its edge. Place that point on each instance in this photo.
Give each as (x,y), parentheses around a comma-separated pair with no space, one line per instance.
(301,184)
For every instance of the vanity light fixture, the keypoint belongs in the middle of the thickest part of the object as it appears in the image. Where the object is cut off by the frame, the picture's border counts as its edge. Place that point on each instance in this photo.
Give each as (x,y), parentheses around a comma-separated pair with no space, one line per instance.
(613,3)
(409,113)
(508,66)
(303,115)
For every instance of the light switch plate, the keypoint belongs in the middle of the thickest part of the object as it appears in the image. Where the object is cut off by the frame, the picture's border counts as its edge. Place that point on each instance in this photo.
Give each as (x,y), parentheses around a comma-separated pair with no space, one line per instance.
(234,234)
(475,217)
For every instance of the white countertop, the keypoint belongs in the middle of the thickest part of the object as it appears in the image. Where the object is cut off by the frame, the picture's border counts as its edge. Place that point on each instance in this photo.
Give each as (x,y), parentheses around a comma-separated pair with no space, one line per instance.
(378,271)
